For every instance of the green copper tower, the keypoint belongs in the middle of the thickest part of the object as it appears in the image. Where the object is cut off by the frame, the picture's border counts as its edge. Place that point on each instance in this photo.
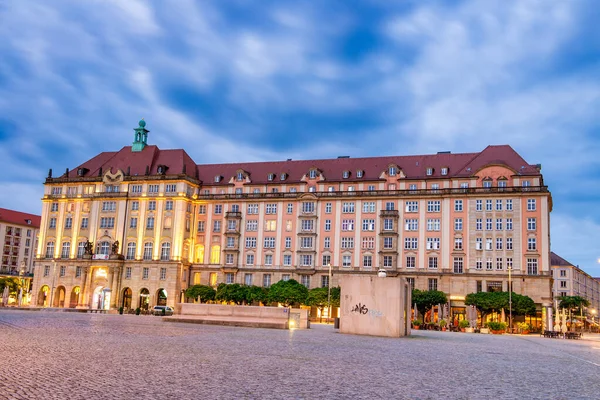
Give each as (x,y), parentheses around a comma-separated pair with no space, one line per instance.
(141,137)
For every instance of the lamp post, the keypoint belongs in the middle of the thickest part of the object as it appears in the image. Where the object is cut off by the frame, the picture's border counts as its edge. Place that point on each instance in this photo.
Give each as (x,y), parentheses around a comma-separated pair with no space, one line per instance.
(329,293)
(510,299)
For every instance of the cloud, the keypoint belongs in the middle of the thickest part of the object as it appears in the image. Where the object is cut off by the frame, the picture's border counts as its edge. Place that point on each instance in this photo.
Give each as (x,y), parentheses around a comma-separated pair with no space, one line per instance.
(308,80)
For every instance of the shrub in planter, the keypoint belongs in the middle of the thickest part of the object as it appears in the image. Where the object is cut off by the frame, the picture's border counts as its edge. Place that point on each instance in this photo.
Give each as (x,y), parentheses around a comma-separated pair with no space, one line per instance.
(416,323)
(442,323)
(464,324)
(497,327)
(524,327)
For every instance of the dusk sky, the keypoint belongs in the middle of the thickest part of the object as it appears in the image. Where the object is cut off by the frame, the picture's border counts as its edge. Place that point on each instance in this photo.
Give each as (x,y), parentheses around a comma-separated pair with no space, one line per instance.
(242,80)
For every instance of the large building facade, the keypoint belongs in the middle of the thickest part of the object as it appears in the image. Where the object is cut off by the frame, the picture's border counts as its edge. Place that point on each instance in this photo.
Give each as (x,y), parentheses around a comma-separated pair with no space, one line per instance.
(136,227)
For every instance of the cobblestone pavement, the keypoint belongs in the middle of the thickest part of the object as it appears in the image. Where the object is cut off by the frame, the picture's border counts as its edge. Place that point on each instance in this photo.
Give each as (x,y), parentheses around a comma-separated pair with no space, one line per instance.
(52,355)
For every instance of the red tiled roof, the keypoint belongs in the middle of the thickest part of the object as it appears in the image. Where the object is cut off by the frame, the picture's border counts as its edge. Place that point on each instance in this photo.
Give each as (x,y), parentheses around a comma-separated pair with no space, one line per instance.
(558,261)
(413,167)
(137,162)
(19,218)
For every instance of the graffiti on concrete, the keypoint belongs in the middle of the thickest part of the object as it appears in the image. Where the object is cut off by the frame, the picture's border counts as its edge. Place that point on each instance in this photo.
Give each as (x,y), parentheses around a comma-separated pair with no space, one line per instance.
(362,309)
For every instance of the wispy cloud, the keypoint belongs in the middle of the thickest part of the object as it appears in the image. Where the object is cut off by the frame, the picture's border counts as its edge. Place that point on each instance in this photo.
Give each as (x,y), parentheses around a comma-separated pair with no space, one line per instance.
(228,82)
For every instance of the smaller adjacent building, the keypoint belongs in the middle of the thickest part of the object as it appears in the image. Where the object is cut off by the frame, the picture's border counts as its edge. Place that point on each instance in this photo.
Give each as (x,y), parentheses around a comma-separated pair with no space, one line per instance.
(18,235)
(570,280)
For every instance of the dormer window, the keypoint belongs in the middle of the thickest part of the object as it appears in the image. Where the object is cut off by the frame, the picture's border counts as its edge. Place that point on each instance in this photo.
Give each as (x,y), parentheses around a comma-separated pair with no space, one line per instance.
(161,169)
(240,176)
(444,171)
(487,183)
(392,171)
(312,174)
(82,171)
(218,178)
(270,177)
(359,173)
(429,171)
(283,176)
(346,174)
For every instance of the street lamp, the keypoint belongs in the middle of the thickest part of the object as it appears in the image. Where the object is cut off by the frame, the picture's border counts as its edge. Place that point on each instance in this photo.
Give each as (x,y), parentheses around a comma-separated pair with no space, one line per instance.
(329,293)
(510,299)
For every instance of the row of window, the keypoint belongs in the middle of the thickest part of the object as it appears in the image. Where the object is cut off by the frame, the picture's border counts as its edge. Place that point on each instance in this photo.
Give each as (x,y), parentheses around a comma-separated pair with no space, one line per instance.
(16,231)
(432,262)
(103,248)
(266,279)
(128,272)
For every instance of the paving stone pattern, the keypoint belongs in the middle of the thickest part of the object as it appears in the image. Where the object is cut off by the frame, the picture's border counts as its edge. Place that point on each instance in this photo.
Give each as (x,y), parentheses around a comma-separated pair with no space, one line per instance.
(56,355)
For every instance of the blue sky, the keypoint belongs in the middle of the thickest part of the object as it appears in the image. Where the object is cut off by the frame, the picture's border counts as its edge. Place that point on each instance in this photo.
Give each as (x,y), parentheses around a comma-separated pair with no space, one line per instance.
(231,81)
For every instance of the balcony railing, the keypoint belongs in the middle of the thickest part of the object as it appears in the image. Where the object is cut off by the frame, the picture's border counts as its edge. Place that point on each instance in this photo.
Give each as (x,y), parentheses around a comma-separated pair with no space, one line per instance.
(233,214)
(388,213)
(382,193)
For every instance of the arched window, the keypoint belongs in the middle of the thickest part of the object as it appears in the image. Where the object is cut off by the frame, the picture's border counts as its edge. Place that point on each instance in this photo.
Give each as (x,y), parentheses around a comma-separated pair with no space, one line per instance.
(312,174)
(165,252)
(148,251)
(215,254)
(80,249)
(200,253)
(50,250)
(131,250)
(66,250)
(103,248)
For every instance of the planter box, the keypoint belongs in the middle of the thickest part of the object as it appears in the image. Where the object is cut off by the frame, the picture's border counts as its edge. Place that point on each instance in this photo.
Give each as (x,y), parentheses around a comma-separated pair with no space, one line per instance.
(498,332)
(469,330)
(484,330)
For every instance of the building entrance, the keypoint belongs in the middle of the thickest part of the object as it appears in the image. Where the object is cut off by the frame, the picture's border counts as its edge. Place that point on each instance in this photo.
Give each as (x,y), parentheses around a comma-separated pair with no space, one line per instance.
(101,298)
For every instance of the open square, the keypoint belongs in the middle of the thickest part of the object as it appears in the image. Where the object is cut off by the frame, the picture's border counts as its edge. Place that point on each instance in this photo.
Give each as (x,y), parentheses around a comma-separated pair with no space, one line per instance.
(57,355)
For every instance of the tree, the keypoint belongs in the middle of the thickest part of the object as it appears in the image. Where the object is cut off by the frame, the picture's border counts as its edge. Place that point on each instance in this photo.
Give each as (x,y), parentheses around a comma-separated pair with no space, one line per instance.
(288,293)
(335,296)
(426,299)
(203,293)
(13,285)
(256,294)
(317,297)
(233,292)
(488,302)
(573,303)
(522,305)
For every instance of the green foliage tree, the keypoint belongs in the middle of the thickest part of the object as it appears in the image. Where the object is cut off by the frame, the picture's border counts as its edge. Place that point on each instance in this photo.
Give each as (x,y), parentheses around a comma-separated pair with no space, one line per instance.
(203,293)
(317,297)
(573,303)
(288,293)
(522,305)
(234,292)
(335,296)
(256,294)
(488,302)
(426,299)
(13,285)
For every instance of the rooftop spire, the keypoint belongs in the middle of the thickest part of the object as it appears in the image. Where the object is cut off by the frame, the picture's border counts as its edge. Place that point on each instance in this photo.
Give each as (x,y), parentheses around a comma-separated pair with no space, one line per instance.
(141,137)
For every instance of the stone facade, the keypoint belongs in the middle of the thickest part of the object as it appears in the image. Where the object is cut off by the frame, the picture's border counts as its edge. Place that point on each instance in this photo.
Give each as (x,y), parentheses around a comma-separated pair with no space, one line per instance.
(155,222)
